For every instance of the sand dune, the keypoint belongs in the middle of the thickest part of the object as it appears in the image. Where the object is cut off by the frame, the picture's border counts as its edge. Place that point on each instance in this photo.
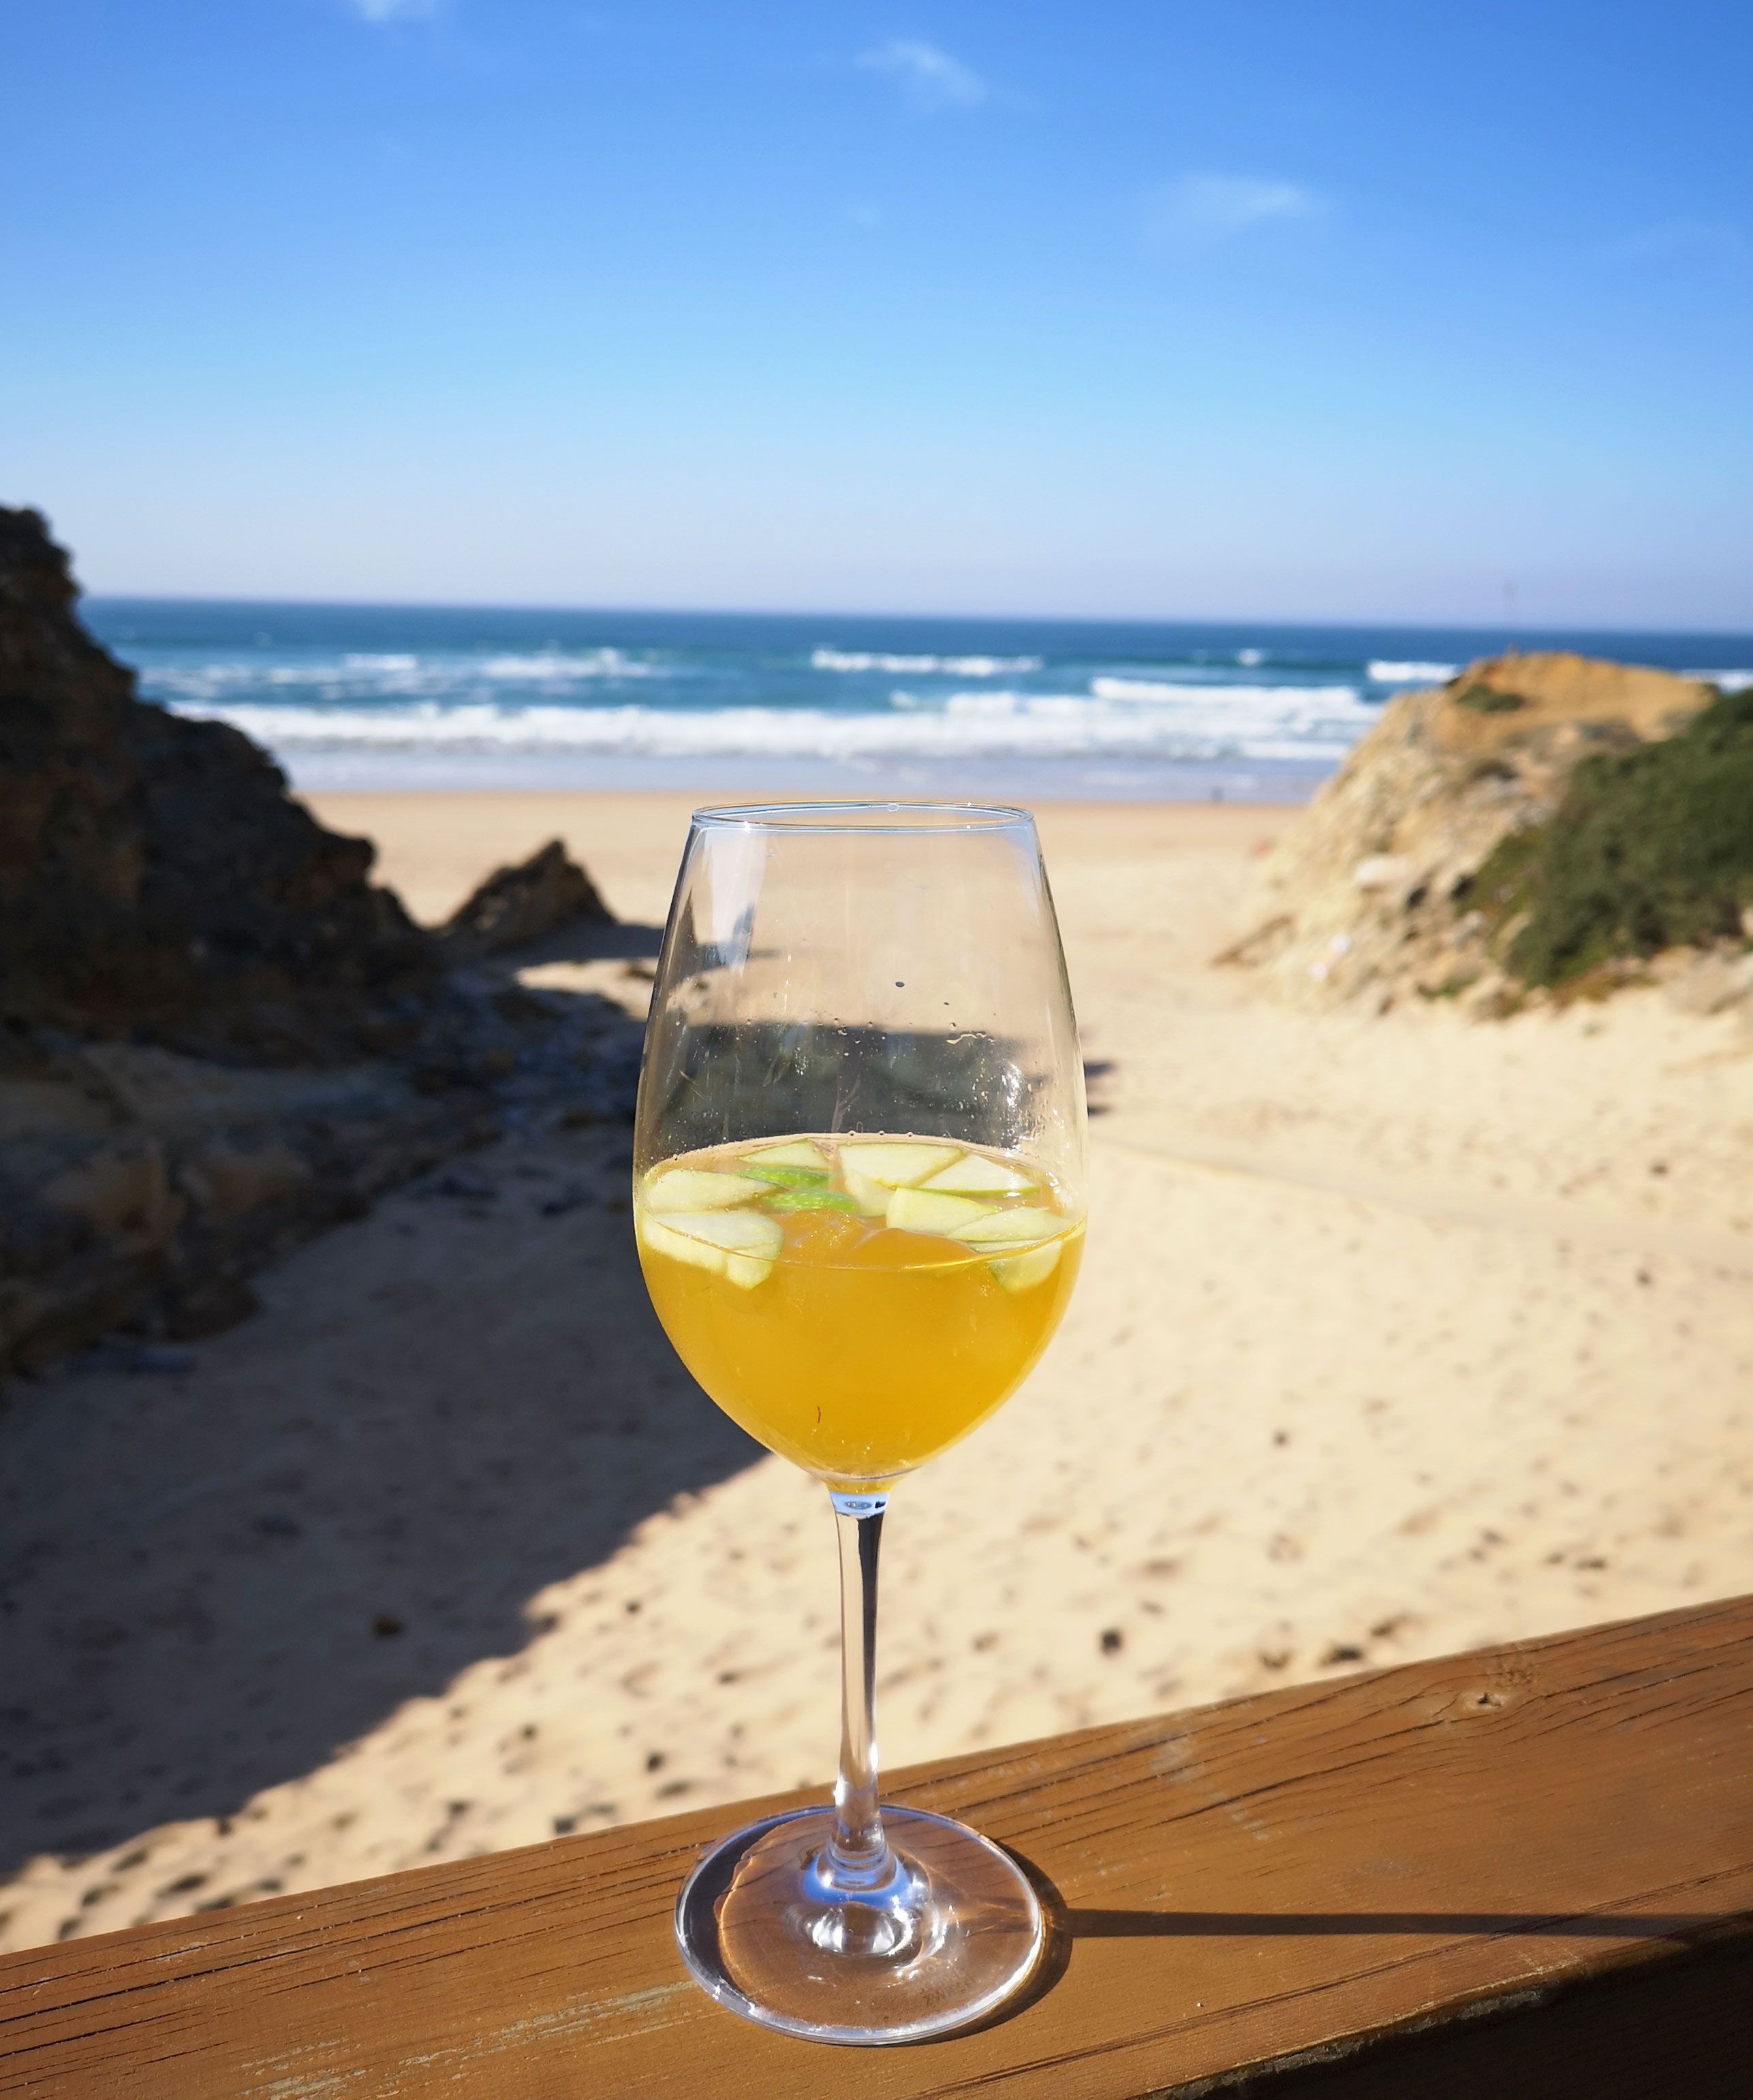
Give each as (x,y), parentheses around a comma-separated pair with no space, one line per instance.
(1397,1333)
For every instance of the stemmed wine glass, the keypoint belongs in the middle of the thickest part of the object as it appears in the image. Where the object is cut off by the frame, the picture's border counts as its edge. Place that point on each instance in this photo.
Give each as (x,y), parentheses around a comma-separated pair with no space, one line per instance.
(858,1193)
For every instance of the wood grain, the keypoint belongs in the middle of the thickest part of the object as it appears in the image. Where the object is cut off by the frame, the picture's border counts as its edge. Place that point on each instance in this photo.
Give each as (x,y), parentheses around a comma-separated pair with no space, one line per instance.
(1531,1866)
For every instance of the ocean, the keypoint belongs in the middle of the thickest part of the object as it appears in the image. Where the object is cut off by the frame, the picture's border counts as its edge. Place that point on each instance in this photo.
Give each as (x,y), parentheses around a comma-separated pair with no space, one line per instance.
(405,696)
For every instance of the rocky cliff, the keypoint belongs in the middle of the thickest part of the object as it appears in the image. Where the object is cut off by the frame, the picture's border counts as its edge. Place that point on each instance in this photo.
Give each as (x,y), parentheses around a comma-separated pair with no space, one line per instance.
(216,1034)
(157,881)
(1374,893)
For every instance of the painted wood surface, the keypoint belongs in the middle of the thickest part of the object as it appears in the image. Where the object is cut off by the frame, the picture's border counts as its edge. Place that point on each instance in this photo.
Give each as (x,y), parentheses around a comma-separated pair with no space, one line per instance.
(1531,1868)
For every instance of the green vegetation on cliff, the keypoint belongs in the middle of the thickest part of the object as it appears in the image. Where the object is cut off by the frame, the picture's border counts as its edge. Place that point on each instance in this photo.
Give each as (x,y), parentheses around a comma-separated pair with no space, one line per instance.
(1650,848)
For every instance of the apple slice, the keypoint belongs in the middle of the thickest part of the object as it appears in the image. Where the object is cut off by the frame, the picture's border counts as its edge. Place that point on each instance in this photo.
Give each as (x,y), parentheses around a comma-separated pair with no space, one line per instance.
(895,1163)
(1022,1272)
(871,1197)
(1009,1229)
(974,1175)
(741,1246)
(689,1189)
(926,1211)
(795,1152)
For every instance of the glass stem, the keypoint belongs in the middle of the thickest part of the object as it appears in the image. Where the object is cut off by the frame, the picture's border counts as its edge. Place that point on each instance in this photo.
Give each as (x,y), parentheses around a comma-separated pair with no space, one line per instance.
(857,1854)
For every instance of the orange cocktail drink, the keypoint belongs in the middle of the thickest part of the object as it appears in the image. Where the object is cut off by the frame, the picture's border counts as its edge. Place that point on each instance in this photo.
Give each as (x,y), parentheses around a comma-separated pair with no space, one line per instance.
(857,1302)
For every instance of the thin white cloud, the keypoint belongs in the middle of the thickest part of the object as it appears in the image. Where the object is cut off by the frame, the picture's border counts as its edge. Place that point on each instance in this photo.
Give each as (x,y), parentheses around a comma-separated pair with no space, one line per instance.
(1203,208)
(398,11)
(930,79)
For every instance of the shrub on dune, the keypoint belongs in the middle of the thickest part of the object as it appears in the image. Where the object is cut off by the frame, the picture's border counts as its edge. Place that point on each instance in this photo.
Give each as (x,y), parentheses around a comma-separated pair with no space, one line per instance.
(1650,848)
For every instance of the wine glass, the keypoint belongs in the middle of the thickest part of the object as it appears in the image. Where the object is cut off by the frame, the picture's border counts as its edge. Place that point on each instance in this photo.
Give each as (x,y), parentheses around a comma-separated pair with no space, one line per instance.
(858,1194)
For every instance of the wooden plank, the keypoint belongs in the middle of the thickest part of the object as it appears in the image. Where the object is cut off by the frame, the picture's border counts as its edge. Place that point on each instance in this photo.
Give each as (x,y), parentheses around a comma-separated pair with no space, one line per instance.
(1532,1865)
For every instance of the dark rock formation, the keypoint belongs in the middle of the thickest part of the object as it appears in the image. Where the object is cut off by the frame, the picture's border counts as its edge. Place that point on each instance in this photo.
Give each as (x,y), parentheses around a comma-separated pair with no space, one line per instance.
(216,1036)
(516,905)
(157,881)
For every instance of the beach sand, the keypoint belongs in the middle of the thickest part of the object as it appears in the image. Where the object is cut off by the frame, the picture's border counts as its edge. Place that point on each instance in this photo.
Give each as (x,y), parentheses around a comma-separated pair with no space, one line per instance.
(1397,1335)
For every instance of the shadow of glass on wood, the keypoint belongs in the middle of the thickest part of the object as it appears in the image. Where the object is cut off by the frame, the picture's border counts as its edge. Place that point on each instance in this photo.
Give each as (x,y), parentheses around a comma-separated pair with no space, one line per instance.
(1065,1925)
(1432,1924)
(210,1581)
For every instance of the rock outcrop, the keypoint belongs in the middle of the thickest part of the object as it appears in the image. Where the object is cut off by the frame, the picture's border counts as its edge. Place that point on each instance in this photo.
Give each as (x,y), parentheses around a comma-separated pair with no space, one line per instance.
(157,881)
(545,894)
(1370,894)
(217,1035)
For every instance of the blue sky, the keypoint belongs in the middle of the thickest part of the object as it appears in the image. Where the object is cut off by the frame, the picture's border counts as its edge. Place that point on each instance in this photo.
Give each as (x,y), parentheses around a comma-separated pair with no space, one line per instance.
(1255,308)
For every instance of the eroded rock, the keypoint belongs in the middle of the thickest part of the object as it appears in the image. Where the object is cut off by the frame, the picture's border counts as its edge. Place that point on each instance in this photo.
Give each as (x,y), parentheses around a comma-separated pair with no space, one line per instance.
(1369,892)
(217,1035)
(515,906)
(156,878)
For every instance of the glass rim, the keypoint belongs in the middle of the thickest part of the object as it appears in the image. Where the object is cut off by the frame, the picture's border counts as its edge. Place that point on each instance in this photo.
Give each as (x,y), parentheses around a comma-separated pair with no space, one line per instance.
(850,817)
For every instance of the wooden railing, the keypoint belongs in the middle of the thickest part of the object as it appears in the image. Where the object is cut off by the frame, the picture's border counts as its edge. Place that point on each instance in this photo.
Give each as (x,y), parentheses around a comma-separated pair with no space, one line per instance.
(1524,1871)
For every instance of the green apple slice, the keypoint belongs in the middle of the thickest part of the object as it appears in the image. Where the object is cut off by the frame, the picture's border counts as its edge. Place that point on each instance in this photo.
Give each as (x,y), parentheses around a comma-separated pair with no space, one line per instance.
(1009,1229)
(741,1246)
(689,1189)
(926,1211)
(974,1175)
(871,1197)
(1022,1272)
(796,1151)
(895,1163)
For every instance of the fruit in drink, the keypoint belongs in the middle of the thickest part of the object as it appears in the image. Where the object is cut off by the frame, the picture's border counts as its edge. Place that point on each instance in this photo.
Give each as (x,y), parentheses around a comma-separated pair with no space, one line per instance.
(681,1188)
(846,1314)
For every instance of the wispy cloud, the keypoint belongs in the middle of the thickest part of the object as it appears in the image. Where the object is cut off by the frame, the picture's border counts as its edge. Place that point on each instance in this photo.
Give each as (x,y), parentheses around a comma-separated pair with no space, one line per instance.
(398,11)
(1204,208)
(930,79)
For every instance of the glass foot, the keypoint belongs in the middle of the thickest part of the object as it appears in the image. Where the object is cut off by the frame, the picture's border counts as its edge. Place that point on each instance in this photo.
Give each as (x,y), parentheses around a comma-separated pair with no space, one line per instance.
(950,1934)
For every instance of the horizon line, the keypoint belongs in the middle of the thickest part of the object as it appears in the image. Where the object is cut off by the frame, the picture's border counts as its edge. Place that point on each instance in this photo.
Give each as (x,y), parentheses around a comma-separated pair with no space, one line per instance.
(1329,622)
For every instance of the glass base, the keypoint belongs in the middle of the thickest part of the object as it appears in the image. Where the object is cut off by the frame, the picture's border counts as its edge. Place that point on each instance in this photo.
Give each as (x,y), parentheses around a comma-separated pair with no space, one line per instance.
(949,1936)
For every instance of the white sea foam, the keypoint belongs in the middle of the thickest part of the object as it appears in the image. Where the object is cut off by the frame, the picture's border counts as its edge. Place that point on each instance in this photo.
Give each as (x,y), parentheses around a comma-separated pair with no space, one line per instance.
(1730,681)
(556,664)
(1180,693)
(953,667)
(1385,673)
(1217,723)
(363,676)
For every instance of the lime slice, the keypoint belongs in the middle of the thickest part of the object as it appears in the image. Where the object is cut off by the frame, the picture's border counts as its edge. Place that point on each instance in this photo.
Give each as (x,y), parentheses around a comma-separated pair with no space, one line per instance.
(1022,1272)
(973,1174)
(809,1199)
(924,1210)
(895,1163)
(740,1245)
(786,1177)
(688,1189)
(796,1151)
(1009,1229)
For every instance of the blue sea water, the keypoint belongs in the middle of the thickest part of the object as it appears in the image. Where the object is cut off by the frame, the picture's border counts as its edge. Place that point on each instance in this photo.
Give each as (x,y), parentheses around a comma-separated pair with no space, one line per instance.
(401,696)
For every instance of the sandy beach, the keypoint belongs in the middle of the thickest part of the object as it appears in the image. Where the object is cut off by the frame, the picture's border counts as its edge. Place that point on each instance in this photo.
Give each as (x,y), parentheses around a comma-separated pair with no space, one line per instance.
(1397,1333)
